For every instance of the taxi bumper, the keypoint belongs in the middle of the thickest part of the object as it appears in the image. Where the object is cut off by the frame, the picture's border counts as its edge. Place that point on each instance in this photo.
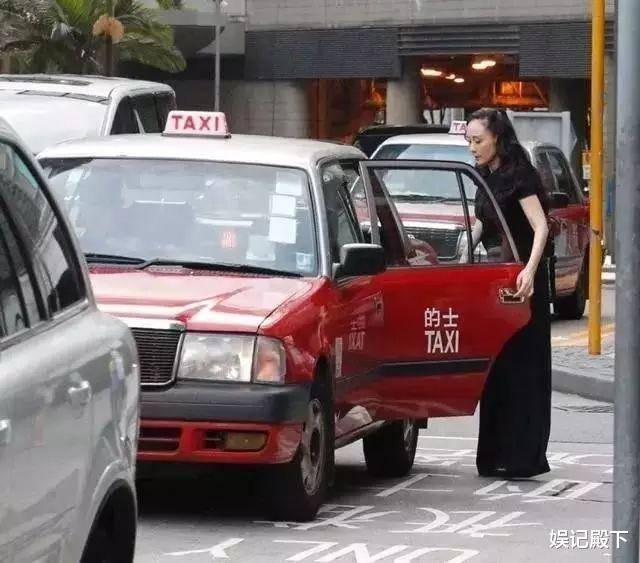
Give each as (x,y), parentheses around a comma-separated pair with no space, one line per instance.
(222,423)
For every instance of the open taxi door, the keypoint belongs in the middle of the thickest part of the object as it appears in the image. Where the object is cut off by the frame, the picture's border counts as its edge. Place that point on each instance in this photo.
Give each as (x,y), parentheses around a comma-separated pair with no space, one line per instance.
(449,309)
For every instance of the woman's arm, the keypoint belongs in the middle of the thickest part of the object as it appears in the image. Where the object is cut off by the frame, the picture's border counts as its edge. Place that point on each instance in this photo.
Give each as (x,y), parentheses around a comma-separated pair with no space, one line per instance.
(535,215)
(476,235)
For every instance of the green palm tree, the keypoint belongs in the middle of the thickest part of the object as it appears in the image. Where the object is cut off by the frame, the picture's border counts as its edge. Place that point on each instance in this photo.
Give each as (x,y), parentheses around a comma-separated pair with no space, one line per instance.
(81,36)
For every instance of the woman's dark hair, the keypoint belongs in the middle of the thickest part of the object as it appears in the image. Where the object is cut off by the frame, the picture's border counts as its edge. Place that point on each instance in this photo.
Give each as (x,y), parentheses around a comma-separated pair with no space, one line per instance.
(513,157)
(508,147)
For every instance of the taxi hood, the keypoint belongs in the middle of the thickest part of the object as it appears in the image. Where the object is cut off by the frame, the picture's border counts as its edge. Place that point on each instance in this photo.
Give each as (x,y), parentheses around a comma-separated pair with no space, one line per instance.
(202,300)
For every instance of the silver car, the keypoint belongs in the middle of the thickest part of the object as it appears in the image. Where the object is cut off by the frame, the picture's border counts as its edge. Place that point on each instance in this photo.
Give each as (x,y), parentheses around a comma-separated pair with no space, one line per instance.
(48,109)
(69,380)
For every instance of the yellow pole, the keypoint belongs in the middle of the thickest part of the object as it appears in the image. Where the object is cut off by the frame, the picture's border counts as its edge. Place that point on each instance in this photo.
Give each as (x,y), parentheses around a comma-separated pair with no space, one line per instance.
(595,192)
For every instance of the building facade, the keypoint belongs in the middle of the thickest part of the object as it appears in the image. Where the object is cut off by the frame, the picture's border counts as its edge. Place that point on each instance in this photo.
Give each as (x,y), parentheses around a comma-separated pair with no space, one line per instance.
(326,68)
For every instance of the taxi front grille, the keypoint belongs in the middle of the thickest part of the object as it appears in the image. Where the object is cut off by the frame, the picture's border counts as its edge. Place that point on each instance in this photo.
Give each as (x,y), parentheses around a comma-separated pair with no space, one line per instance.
(158,351)
(443,241)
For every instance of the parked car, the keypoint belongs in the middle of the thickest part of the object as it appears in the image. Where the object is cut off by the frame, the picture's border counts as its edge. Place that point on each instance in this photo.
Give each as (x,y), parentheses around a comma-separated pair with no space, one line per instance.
(69,397)
(369,138)
(568,217)
(48,109)
(270,331)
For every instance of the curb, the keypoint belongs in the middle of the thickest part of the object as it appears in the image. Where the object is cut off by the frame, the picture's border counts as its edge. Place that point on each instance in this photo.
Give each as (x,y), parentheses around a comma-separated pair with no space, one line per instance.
(576,382)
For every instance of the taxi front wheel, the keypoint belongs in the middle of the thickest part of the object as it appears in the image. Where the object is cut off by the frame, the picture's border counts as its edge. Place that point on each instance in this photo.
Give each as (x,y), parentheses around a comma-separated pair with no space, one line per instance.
(390,451)
(297,489)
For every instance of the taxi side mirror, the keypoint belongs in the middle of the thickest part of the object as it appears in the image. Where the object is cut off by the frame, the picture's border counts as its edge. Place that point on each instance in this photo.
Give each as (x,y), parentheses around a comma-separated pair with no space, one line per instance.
(361,259)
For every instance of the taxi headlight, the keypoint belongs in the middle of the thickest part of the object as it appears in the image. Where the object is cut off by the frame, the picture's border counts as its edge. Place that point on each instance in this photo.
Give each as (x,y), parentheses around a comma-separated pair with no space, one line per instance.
(216,357)
(232,358)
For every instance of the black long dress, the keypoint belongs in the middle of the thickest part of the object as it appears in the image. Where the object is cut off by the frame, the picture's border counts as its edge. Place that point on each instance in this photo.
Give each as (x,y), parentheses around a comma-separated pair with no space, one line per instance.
(515,408)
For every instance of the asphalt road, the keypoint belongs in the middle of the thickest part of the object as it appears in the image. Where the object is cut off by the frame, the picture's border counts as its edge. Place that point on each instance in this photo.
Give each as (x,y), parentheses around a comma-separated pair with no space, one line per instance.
(442,512)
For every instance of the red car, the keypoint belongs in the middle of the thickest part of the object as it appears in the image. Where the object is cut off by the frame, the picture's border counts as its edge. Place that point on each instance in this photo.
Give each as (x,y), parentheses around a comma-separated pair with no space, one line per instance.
(442,226)
(271,329)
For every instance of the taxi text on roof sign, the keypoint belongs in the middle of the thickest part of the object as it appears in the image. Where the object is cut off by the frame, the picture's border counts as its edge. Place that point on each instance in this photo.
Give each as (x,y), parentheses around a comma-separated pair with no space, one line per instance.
(200,123)
(458,128)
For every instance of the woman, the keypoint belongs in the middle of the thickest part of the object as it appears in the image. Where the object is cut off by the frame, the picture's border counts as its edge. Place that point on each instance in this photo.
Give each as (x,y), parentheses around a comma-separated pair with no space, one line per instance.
(515,409)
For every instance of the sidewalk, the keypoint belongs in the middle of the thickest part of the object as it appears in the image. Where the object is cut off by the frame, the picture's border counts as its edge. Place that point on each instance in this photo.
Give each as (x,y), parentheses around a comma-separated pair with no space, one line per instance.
(575,371)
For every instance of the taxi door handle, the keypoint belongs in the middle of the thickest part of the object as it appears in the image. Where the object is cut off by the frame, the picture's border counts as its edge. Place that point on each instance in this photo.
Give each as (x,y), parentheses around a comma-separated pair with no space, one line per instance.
(508,296)
(5,432)
(80,394)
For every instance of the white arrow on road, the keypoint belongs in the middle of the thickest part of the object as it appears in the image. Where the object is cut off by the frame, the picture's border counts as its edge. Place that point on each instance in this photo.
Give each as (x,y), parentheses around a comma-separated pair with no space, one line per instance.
(218,551)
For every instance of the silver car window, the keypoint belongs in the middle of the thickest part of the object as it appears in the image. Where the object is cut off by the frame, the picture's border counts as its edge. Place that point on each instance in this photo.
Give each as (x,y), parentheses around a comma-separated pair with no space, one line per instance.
(55,259)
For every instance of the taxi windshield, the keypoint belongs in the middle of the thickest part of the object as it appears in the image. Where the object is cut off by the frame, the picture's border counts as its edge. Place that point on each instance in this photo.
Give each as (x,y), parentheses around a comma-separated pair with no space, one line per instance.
(189,211)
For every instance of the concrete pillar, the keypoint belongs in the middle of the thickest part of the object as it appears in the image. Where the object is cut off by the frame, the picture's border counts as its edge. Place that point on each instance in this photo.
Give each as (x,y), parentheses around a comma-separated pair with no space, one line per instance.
(268,108)
(403,96)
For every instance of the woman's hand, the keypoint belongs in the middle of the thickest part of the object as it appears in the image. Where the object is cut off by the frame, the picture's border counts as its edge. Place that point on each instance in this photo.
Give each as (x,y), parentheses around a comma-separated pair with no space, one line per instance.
(524,283)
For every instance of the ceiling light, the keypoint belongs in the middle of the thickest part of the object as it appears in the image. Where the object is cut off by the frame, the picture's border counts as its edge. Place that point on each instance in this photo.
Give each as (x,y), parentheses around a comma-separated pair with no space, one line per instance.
(458,80)
(430,72)
(451,77)
(483,64)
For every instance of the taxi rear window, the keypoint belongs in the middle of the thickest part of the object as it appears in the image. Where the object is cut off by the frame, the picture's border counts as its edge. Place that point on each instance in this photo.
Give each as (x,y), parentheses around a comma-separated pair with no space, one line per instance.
(214,212)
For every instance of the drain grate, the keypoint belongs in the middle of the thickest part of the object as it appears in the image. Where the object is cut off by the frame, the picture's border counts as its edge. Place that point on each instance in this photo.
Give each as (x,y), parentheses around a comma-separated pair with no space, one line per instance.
(585,408)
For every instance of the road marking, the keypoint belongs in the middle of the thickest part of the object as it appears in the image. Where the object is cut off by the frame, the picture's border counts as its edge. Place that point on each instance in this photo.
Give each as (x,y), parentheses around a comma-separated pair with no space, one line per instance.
(554,490)
(362,554)
(476,525)
(580,338)
(218,551)
(401,486)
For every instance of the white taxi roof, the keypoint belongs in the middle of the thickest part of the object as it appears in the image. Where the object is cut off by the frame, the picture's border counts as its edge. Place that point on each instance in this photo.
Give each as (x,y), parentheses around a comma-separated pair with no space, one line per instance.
(426,139)
(252,149)
(75,85)
(441,139)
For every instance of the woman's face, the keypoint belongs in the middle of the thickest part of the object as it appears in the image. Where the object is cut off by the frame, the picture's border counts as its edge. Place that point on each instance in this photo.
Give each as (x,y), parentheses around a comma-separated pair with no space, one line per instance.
(482,142)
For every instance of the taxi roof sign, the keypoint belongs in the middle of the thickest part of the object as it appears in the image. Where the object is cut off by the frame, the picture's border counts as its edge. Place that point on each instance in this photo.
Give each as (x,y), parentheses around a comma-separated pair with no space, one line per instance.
(458,128)
(197,123)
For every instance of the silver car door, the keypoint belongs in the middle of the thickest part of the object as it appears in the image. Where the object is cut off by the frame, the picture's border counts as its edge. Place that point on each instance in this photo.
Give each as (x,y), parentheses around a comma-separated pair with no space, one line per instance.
(5,466)
(11,309)
(46,375)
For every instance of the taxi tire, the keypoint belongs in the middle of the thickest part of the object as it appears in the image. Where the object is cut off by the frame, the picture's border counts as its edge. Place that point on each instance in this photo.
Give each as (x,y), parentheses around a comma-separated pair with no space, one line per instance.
(572,307)
(388,453)
(286,495)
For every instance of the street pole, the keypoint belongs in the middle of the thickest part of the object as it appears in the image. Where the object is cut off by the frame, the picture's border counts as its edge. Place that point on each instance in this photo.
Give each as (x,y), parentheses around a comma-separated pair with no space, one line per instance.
(626,482)
(595,190)
(216,104)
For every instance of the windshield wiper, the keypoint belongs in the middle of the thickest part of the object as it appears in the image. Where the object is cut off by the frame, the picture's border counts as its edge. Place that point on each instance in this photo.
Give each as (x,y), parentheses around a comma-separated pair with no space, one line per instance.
(94,257)
(220,266)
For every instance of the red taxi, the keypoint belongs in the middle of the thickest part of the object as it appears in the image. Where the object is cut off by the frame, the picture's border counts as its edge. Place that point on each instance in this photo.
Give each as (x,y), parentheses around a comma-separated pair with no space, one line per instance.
(272,326)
